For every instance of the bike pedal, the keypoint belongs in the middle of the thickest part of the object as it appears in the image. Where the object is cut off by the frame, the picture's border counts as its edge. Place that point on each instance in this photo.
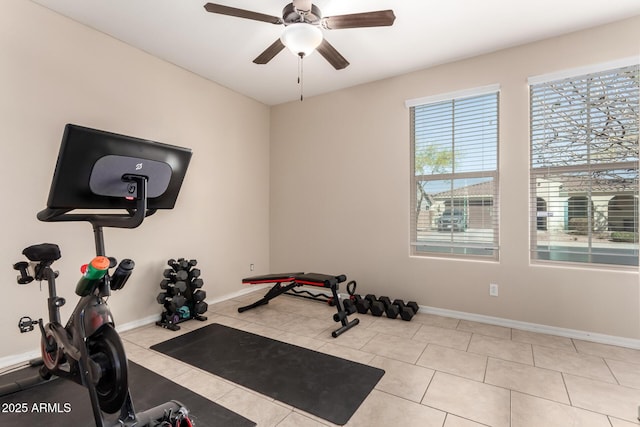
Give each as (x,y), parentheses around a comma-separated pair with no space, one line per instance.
(26,324)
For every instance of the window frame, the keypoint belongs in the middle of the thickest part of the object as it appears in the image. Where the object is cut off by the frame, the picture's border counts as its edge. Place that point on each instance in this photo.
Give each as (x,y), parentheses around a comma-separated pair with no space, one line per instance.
(592,258)
(458,249)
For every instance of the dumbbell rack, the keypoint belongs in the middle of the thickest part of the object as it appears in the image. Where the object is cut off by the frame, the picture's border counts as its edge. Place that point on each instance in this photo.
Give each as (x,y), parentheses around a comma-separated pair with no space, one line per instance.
(181,296)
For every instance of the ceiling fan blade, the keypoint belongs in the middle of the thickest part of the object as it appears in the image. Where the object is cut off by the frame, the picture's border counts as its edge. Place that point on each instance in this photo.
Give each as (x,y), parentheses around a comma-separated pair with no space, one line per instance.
(302,5)
(241,13)
(332,55)
(380,18)
(269,52)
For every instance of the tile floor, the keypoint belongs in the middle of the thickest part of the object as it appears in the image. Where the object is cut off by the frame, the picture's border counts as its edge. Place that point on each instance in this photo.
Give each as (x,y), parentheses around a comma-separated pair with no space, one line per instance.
(440,372)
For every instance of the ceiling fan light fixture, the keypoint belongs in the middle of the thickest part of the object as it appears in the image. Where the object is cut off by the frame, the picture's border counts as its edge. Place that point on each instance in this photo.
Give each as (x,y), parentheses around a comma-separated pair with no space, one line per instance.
(301,38)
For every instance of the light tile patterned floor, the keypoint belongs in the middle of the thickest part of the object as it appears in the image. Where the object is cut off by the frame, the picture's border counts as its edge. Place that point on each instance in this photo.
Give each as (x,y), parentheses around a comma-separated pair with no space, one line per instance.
(440,371)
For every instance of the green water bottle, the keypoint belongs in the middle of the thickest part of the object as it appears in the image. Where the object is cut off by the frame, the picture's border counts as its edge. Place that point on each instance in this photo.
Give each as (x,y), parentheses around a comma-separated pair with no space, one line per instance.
(92,273)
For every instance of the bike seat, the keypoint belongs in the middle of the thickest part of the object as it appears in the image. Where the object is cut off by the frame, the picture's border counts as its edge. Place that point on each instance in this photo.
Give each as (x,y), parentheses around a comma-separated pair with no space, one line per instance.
(44,252)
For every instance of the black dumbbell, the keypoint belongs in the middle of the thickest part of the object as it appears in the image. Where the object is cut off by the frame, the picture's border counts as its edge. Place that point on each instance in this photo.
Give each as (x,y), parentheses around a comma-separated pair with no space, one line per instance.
(406,313)
(162,296)
(175,302)
(390,310)
(200,307)
(174,288)
(349,306)
(181,264)
(194,273)
(24,276)
(197,283)
(362,305)
(413,305)
(376,307)
(175,276)
(187,263)
(172,303)
(199,295)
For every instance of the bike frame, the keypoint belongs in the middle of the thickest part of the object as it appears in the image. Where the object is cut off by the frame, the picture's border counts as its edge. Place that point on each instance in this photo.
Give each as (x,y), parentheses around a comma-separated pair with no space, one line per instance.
(92,313)
(89,316)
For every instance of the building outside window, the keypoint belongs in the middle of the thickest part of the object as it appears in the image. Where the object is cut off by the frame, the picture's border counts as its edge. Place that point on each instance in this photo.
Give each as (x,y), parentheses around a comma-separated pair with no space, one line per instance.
(454,185)
(584,167)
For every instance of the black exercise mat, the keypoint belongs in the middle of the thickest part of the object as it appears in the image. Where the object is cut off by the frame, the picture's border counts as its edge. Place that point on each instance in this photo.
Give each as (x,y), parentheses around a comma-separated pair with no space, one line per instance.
(326,386)
(61,402)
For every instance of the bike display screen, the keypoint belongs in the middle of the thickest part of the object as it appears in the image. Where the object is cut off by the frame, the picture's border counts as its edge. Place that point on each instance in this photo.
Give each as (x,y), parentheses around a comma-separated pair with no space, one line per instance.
(93,165)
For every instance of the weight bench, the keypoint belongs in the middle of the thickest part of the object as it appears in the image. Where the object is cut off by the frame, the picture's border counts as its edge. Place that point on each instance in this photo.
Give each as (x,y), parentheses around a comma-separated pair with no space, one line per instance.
(288,281)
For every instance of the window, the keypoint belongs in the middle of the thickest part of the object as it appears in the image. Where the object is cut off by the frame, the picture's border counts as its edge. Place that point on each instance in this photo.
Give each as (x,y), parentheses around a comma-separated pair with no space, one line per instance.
(454,186)
(584,168)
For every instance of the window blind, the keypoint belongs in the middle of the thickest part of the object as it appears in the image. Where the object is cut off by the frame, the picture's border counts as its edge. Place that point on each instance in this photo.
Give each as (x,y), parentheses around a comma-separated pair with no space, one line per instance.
(454,207)
(584,168)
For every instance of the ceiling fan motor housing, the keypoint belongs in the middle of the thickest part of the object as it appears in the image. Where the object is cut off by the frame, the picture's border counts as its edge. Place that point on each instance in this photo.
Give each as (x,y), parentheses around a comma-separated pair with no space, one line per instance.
(290,15)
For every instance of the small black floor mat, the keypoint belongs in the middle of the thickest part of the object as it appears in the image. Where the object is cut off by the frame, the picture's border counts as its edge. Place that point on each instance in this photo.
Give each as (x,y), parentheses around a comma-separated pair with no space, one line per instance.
(64,403)
(326,386)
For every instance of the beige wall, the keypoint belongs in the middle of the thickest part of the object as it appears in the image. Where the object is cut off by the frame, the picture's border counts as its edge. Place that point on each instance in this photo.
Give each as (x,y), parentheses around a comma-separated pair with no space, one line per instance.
(340,193)
(54,71)
(321,185)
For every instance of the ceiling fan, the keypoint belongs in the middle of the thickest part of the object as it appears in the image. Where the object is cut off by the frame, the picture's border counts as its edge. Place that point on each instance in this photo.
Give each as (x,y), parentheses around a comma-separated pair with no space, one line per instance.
(302,34)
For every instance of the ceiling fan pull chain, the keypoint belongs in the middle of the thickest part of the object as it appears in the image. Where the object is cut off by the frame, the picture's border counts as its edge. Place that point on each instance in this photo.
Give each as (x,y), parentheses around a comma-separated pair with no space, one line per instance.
(301,75)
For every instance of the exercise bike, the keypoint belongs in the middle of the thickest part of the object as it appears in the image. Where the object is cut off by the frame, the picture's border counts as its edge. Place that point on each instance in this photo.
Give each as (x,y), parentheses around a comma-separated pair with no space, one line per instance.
(88,350)
(100,170)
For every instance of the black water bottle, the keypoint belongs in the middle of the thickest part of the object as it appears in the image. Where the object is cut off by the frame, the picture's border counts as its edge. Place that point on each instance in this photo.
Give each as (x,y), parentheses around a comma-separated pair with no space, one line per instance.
(122,273)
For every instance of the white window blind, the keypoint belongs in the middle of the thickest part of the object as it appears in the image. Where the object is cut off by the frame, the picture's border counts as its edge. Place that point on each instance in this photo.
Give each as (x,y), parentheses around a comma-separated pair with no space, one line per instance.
(454,207)
(584,168)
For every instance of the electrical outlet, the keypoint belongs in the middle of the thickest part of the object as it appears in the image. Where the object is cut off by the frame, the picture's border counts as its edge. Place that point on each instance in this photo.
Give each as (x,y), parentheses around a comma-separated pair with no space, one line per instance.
(493,289)
(251,267)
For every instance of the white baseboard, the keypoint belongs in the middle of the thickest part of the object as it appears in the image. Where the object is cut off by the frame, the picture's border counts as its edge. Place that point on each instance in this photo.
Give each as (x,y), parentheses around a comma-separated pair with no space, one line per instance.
(245,290)
(18,359)
(535,327)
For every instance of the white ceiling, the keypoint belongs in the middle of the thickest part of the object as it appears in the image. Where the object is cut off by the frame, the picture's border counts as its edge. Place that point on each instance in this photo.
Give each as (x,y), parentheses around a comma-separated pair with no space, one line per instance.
(426,32)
